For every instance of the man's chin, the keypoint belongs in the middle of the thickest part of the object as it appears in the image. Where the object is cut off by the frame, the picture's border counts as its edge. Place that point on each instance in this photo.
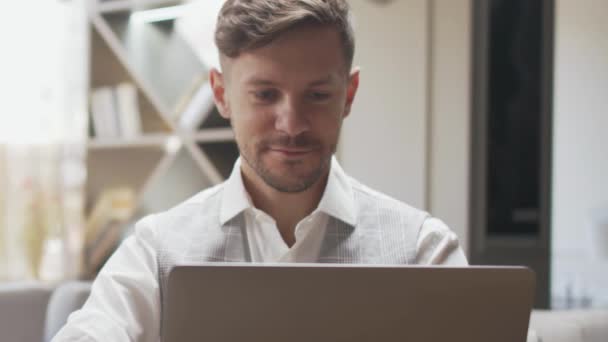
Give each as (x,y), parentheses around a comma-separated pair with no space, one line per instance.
(289,173)
(290,176)
(283,184)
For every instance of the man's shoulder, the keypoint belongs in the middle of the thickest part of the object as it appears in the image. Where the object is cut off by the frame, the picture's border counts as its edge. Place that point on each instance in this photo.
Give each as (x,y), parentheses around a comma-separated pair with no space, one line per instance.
(202,199)
(191,230)
(202,206)
(395,225)
(367,198)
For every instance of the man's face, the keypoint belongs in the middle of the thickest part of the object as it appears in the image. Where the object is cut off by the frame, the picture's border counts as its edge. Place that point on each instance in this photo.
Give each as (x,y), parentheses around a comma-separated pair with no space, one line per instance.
(286,102)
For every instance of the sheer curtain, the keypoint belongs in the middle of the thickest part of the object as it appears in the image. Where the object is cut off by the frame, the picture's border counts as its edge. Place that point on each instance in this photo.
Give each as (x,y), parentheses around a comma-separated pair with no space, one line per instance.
(43,130)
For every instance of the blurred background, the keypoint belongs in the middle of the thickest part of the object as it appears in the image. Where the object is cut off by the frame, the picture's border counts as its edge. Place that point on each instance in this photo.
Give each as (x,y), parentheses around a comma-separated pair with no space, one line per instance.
(490,114)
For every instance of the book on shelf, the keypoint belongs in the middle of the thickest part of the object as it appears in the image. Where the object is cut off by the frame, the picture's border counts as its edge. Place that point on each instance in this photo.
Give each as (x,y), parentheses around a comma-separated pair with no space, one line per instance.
(198,108)
(115,112)
(103,113)
(128,110)
(105,224)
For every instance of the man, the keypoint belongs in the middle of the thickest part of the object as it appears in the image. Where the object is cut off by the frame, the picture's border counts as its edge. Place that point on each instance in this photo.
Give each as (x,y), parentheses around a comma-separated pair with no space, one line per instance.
(286,85)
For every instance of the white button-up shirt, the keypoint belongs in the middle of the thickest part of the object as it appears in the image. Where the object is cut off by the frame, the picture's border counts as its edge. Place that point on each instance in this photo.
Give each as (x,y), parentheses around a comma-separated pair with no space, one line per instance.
(436,245)
(124,304)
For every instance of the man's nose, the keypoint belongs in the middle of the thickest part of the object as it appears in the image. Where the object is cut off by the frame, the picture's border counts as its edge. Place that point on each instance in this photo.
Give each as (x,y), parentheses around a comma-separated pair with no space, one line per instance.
(291,118)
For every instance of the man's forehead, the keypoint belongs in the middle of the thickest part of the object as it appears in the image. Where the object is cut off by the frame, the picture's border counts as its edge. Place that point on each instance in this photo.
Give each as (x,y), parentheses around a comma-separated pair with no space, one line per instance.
(270,79)
(246,69)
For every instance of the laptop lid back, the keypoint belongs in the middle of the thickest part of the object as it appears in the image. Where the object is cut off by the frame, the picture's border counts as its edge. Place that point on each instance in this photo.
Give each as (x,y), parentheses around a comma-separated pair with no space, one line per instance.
(355,303)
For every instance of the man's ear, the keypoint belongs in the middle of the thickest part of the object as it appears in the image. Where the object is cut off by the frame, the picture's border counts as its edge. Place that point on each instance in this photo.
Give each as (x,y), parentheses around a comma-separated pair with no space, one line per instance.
(218,86)
(351,91)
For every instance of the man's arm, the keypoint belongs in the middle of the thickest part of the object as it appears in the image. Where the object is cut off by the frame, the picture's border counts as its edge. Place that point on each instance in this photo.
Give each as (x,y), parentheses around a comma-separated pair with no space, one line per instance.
(438,245)
(124,304)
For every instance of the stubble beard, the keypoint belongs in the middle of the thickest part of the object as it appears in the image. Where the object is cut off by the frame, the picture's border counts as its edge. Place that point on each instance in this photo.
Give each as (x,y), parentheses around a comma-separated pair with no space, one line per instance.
(288,183)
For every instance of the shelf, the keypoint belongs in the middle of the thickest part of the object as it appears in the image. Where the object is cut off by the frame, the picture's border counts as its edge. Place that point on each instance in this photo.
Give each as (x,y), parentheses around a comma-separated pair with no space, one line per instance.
(114,6)
(211,135)
(117,6)
(167,163)
(150,140)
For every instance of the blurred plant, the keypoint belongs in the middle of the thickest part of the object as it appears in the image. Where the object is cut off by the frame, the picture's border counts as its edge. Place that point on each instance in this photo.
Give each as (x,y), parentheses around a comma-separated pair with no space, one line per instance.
(42,220)
(34,230)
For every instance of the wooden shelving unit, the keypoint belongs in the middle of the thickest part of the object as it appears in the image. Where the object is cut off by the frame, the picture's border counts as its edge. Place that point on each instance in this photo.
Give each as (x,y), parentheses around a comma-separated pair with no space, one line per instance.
(167,163)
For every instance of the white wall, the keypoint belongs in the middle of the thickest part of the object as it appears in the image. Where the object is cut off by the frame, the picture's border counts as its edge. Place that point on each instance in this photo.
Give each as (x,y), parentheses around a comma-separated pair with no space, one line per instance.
(580,156)
(408,134)
(383,140)
(450,115)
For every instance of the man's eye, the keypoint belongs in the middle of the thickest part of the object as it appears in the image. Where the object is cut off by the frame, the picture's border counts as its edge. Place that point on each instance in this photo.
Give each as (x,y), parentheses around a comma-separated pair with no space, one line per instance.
(319,96)
(267,95)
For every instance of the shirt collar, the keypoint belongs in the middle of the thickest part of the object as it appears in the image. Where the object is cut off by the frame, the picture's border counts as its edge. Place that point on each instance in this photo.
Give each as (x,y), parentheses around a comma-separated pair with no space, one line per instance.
(337,199)
(235,198)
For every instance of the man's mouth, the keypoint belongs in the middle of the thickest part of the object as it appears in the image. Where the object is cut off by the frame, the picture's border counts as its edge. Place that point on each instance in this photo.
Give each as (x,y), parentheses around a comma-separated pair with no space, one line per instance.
(291,152)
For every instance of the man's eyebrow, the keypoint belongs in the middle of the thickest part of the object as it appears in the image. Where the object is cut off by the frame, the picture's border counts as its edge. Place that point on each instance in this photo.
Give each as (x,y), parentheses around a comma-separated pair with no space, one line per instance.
(325,80)
(266,82)
(259,81)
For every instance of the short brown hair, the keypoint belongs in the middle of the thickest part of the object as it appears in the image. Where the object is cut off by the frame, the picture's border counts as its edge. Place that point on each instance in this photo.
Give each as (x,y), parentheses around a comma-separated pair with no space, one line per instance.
(244,25)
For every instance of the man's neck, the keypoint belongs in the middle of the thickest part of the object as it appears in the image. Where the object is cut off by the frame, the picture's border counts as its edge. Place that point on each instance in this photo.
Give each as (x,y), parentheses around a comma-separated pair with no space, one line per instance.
(287,209)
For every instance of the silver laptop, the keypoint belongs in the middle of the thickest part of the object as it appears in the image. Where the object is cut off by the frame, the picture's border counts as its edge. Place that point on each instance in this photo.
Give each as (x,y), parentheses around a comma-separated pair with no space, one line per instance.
(329,303)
